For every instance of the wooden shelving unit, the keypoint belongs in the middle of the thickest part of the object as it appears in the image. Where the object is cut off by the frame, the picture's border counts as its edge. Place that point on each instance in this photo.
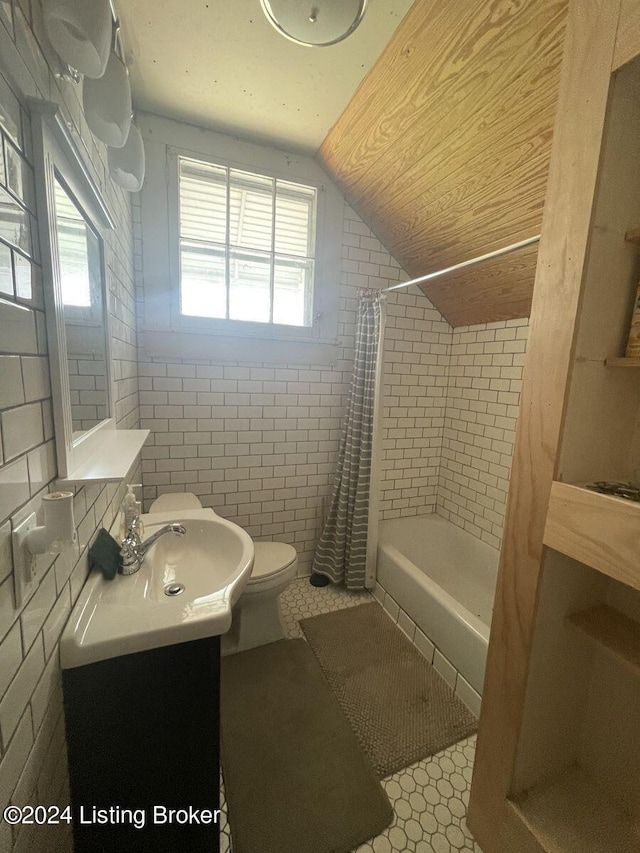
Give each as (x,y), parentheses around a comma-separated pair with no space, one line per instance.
(571,815)
(612,631)
(600,531)
(557,765)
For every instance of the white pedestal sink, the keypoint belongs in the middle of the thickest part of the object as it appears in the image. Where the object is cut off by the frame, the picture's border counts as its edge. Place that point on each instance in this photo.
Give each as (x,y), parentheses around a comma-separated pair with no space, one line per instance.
(132,613)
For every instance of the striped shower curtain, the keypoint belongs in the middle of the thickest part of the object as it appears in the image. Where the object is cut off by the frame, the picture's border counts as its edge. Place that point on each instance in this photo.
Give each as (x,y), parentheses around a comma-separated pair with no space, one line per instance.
(341,553)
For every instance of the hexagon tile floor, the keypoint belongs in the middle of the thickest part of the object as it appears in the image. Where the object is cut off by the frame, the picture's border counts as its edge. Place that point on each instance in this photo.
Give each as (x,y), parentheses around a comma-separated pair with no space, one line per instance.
(430,797)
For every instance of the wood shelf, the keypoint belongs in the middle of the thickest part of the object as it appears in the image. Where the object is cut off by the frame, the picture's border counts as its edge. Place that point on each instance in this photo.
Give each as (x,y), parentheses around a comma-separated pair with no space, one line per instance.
(571,815)
(611,630)
(601,531)
(623,362)
(116,451)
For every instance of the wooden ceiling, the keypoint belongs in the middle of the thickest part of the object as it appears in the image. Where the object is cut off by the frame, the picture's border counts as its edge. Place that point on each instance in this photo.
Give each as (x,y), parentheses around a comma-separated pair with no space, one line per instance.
(444,149)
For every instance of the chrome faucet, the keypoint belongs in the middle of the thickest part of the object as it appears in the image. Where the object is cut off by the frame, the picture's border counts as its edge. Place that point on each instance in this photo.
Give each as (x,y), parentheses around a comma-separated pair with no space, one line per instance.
(133,550)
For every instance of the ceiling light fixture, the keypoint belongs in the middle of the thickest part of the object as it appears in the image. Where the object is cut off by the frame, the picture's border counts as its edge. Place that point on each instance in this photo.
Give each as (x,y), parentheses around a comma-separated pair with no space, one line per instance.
(314,23)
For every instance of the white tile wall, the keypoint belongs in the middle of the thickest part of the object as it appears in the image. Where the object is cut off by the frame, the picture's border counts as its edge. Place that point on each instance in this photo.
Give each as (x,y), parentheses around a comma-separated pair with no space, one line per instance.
(417,344)
(87,389)
(17,328)
(259,442)
(22,429)
(11,387)
(485,379)
(35,374)
(33,766)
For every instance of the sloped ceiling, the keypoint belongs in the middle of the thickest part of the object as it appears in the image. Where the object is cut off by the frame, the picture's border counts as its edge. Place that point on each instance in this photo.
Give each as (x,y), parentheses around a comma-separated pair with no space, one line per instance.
(444,149)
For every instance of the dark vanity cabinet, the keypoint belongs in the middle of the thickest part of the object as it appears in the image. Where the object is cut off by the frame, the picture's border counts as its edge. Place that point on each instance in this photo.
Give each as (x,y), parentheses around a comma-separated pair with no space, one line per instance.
(143,742)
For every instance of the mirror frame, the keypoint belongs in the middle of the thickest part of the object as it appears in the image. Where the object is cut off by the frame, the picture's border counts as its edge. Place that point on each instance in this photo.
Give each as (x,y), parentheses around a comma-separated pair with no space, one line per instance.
(56,151)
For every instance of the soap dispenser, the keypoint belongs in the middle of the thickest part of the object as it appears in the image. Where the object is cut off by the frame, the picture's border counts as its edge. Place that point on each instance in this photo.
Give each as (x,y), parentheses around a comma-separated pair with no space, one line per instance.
(131,509)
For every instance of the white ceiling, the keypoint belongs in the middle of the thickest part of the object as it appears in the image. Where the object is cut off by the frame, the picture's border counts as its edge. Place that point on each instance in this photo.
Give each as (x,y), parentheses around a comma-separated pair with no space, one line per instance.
(220,64)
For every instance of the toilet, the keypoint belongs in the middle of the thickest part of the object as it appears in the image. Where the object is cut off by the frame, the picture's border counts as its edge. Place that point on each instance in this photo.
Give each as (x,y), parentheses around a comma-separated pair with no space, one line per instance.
(256,614)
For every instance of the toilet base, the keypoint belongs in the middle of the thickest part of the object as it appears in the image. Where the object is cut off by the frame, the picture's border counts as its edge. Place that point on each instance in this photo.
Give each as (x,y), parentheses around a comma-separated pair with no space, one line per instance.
(255,623)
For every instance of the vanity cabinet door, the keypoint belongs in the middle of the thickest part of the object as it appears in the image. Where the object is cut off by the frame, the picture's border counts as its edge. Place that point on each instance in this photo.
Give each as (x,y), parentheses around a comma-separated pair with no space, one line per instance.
(143,739)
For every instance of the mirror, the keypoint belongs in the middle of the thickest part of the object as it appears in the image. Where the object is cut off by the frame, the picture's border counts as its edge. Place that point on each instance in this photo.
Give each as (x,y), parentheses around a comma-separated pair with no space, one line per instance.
(80,269)
(73,220)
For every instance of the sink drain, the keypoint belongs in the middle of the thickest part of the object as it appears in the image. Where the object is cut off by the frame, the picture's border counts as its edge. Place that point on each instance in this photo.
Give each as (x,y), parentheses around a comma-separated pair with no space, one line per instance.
(172,589)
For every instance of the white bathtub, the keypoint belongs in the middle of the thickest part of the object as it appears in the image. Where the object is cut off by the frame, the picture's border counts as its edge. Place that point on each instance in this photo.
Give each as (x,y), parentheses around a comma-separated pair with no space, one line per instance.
(445,580)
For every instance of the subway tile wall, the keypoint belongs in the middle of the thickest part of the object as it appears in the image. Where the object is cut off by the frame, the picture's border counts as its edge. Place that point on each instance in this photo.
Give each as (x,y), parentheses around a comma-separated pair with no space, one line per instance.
(259,442)
(417,344)
(32,745)
(483,396)
(87,389)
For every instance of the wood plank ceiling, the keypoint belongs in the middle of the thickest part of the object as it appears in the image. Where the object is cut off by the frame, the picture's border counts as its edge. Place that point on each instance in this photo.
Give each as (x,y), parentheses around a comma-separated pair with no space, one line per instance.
(444,148)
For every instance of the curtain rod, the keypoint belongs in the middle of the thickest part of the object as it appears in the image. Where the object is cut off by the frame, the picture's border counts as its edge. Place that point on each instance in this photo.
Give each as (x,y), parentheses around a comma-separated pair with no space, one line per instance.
(496,254)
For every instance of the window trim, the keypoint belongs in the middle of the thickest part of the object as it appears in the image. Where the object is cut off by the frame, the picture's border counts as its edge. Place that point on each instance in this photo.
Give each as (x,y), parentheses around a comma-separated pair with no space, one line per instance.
(325,298)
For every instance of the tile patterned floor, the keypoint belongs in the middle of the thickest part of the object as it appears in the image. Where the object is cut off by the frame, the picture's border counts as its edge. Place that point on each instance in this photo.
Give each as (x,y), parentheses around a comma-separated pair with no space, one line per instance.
(429,798)
(302,600)
(430,801)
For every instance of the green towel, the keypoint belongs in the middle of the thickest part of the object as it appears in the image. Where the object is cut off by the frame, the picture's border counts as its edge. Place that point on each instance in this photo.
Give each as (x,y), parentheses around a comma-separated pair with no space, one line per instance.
(104,554)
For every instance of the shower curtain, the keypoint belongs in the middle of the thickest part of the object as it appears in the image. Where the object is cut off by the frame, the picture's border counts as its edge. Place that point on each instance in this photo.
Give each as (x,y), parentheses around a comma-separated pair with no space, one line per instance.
(342,553)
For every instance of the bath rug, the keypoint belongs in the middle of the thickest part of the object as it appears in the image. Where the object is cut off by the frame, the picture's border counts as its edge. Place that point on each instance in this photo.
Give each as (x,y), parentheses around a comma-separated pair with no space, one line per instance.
(296,779)
(400,708)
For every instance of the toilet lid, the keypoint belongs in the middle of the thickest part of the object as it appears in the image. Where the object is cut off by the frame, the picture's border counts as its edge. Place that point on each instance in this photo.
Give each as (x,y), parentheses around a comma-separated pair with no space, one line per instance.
(271,557)
(175,502)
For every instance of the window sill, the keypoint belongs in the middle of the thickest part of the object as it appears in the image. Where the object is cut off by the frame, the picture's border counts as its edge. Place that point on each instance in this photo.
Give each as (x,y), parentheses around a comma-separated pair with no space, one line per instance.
(113,454)
(172,343)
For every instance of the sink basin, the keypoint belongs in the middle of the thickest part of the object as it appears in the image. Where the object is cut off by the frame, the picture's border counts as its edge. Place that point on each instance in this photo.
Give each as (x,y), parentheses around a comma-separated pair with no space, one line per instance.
(210,565)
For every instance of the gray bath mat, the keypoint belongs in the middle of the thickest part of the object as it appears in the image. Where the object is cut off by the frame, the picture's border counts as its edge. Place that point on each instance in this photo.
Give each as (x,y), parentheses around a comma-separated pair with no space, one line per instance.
(400,708)
(295,776)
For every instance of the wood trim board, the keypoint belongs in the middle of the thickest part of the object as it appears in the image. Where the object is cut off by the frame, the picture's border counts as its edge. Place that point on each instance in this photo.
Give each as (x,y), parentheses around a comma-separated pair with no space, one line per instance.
(601,531)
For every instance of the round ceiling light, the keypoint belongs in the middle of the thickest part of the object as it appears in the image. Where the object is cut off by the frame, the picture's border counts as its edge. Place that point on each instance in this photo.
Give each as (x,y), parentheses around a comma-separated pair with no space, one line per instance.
(314,23)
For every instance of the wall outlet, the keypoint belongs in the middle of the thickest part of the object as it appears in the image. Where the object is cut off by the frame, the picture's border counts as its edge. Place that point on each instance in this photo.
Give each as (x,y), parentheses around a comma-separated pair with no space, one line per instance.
(24,562)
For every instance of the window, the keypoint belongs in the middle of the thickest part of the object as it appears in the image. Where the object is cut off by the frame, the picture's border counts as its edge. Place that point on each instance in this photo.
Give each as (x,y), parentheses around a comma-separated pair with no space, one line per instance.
(247,245)
(241,249)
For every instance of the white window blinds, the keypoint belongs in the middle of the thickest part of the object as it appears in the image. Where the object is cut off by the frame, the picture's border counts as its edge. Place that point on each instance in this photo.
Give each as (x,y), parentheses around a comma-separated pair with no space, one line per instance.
(247,245)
